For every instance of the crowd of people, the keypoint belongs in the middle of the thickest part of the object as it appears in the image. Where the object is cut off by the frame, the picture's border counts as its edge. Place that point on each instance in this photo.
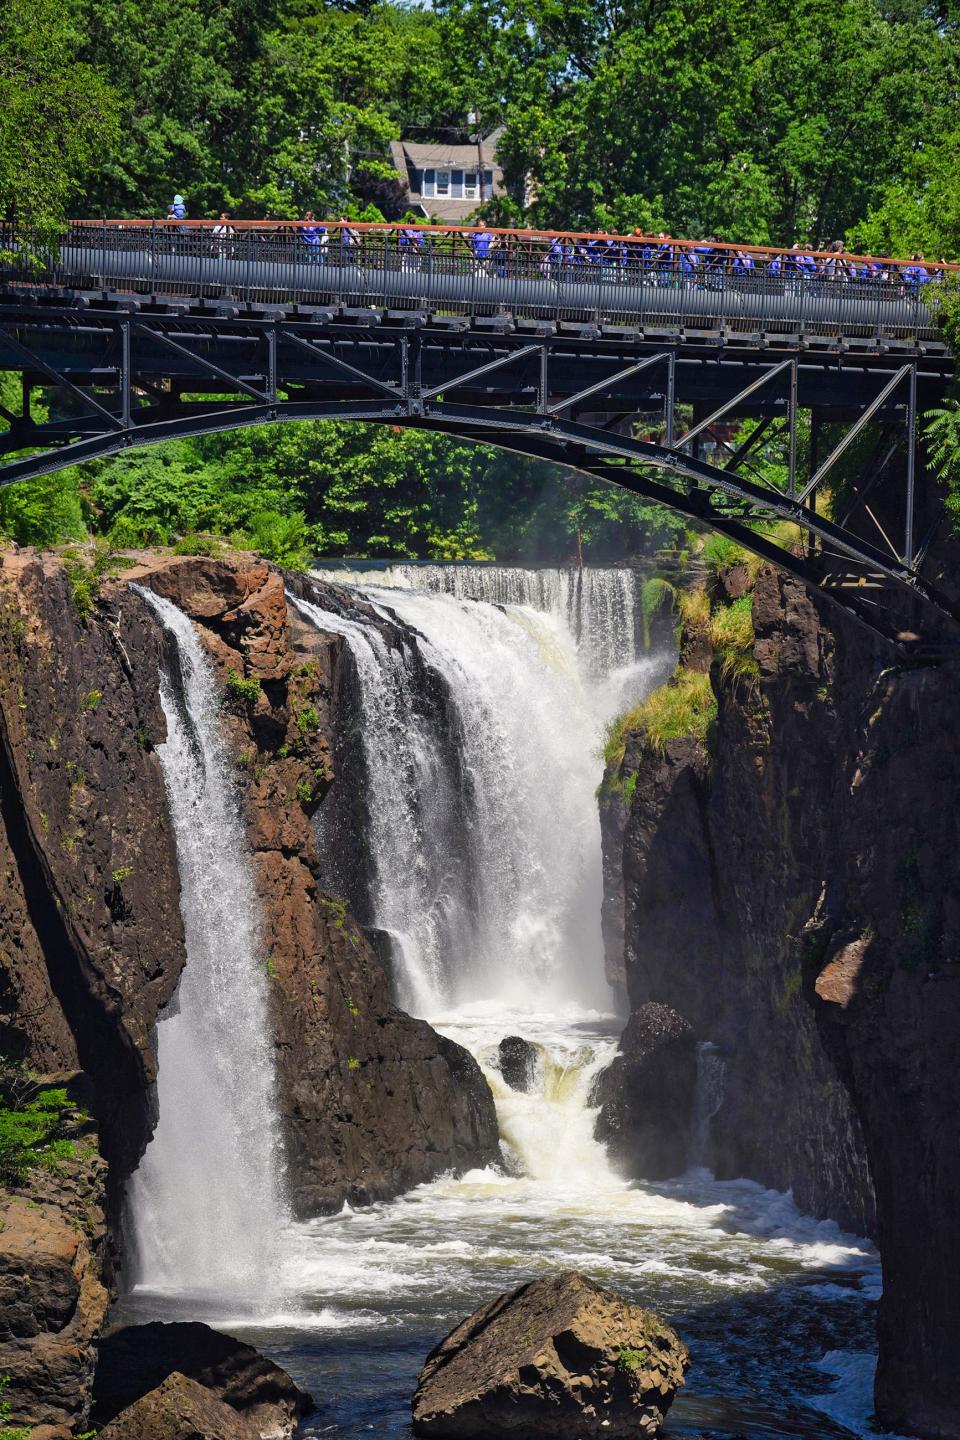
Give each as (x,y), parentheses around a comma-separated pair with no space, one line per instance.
(659,259)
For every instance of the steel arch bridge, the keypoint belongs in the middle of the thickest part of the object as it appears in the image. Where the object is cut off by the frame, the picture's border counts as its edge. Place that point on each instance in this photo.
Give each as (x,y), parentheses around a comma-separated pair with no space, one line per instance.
(150,334)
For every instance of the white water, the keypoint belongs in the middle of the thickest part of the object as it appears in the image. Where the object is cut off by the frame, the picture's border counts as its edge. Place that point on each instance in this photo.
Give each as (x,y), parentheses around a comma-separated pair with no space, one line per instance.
(484,869)
(484,831)
(206,1203)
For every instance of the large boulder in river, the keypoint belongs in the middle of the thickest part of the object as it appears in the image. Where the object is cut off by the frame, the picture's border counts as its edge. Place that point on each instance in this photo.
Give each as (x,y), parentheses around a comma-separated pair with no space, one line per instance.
(137,1359)
(646,1094)
(560,1358)
(518,1062)
(180,1409)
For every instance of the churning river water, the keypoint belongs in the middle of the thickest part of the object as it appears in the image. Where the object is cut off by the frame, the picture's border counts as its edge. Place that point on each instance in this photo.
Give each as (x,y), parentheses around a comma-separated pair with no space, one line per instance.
(495,932)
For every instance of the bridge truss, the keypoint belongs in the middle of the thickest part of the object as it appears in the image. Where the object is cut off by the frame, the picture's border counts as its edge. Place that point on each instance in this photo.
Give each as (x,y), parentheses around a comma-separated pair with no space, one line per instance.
(136,371)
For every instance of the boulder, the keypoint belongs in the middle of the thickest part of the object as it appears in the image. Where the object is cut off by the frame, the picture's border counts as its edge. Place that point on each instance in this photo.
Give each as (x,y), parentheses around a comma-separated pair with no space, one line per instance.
(560,1358)
(180,1409)
(518,1062)
(52,1297)
(646,1094)
(136,1359)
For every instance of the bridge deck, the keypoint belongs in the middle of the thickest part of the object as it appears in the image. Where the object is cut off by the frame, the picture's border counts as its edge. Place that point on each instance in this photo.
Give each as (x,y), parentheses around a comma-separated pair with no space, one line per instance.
(620,285)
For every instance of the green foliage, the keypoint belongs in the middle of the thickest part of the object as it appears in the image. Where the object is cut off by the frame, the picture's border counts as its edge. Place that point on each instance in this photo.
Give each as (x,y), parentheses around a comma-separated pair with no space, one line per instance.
(195,545)
(243,689)
(121,874)
(694,608)
(942,431)
(8,1431)
(764,121)
(33,1126)
(91,700)
(42,512)
(86,574)
(656,594)
(57,116)
(683,708)
(308,719)
(632,1359)
(353,1063)
(280,538)
(719,554)
(731,626)
(919,210)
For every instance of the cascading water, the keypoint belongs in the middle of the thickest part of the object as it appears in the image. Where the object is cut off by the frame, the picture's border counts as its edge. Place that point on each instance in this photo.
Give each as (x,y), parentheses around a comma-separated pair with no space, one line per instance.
(707,1099)
(478,722)
(206,1204)
(483,825)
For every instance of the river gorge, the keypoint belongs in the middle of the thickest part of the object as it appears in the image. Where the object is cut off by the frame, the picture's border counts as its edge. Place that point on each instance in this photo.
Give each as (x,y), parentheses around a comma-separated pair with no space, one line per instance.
(381,840)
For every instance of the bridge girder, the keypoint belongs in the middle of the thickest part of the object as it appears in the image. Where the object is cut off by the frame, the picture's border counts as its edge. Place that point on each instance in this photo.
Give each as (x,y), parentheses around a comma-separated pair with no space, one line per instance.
(129,378)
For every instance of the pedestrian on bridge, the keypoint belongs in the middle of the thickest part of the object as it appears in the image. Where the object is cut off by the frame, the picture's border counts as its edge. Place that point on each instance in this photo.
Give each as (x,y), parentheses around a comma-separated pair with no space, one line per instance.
(177,210)
(314,236)
(481,242)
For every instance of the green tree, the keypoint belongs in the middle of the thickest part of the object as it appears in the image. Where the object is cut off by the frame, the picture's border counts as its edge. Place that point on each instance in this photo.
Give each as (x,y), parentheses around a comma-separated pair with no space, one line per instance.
(920,209)
(762,120)
(57,116)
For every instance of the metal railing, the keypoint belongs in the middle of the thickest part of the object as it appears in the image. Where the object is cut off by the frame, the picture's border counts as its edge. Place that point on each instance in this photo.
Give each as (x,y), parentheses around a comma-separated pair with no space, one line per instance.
(631,281)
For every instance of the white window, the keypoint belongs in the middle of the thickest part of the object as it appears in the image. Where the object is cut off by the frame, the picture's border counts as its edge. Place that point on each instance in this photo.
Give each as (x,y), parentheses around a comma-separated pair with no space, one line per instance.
(470,185)
(443,182)
(429,183)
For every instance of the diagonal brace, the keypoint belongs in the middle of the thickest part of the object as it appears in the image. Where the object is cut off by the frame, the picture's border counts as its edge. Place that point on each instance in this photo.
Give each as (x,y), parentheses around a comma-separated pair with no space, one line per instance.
(852,433)
(200,360)
(607,384)
(731,405)
(487,369)
(37,364)
(343,365)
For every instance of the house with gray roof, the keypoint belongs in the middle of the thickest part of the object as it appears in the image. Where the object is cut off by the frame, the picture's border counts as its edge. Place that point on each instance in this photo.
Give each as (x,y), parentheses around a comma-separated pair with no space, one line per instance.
(442,180)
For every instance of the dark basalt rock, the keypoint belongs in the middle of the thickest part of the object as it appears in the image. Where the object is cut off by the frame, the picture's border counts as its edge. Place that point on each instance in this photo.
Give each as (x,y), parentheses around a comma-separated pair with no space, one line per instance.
(646,1094)
(794,894)
(560,1359)
(135,1360)
(180,1409)
(518,1062)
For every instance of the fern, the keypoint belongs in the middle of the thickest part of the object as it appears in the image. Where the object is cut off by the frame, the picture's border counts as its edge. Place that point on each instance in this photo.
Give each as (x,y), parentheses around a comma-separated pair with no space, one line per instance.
(942,432)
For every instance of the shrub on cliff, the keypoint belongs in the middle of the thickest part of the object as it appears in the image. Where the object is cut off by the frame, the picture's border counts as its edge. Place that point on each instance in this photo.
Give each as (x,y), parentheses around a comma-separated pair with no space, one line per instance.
(684,707)
(33,1125)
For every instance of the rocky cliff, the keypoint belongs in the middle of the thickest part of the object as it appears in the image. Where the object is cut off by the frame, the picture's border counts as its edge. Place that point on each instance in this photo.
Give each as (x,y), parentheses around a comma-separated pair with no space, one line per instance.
(91,940)
(791,889)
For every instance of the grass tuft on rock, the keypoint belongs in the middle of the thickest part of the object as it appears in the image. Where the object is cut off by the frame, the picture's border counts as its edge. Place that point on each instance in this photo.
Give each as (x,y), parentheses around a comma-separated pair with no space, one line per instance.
(684,706)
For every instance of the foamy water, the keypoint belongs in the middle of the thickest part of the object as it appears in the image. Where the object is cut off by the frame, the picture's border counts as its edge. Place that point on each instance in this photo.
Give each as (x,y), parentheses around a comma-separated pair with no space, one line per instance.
(484,868)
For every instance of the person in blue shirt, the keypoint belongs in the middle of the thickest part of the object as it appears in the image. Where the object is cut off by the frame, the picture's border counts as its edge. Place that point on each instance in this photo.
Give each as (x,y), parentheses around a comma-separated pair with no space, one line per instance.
(314,236)
(915,275)
(481,243)
(744,265)
(410,246)
(556,257)
(178,211)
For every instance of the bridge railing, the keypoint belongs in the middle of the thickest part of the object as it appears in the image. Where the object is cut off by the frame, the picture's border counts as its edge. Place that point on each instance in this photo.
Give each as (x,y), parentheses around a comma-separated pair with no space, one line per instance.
(633,280)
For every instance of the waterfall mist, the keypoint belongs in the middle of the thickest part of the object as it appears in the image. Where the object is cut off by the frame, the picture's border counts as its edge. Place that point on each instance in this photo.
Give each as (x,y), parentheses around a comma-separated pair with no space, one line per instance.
(206,1205)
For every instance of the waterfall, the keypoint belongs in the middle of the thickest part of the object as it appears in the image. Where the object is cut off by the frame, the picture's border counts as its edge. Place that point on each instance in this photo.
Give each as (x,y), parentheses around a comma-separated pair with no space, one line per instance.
(206,1203)
(481,818)
(600,606)
(707,1099)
